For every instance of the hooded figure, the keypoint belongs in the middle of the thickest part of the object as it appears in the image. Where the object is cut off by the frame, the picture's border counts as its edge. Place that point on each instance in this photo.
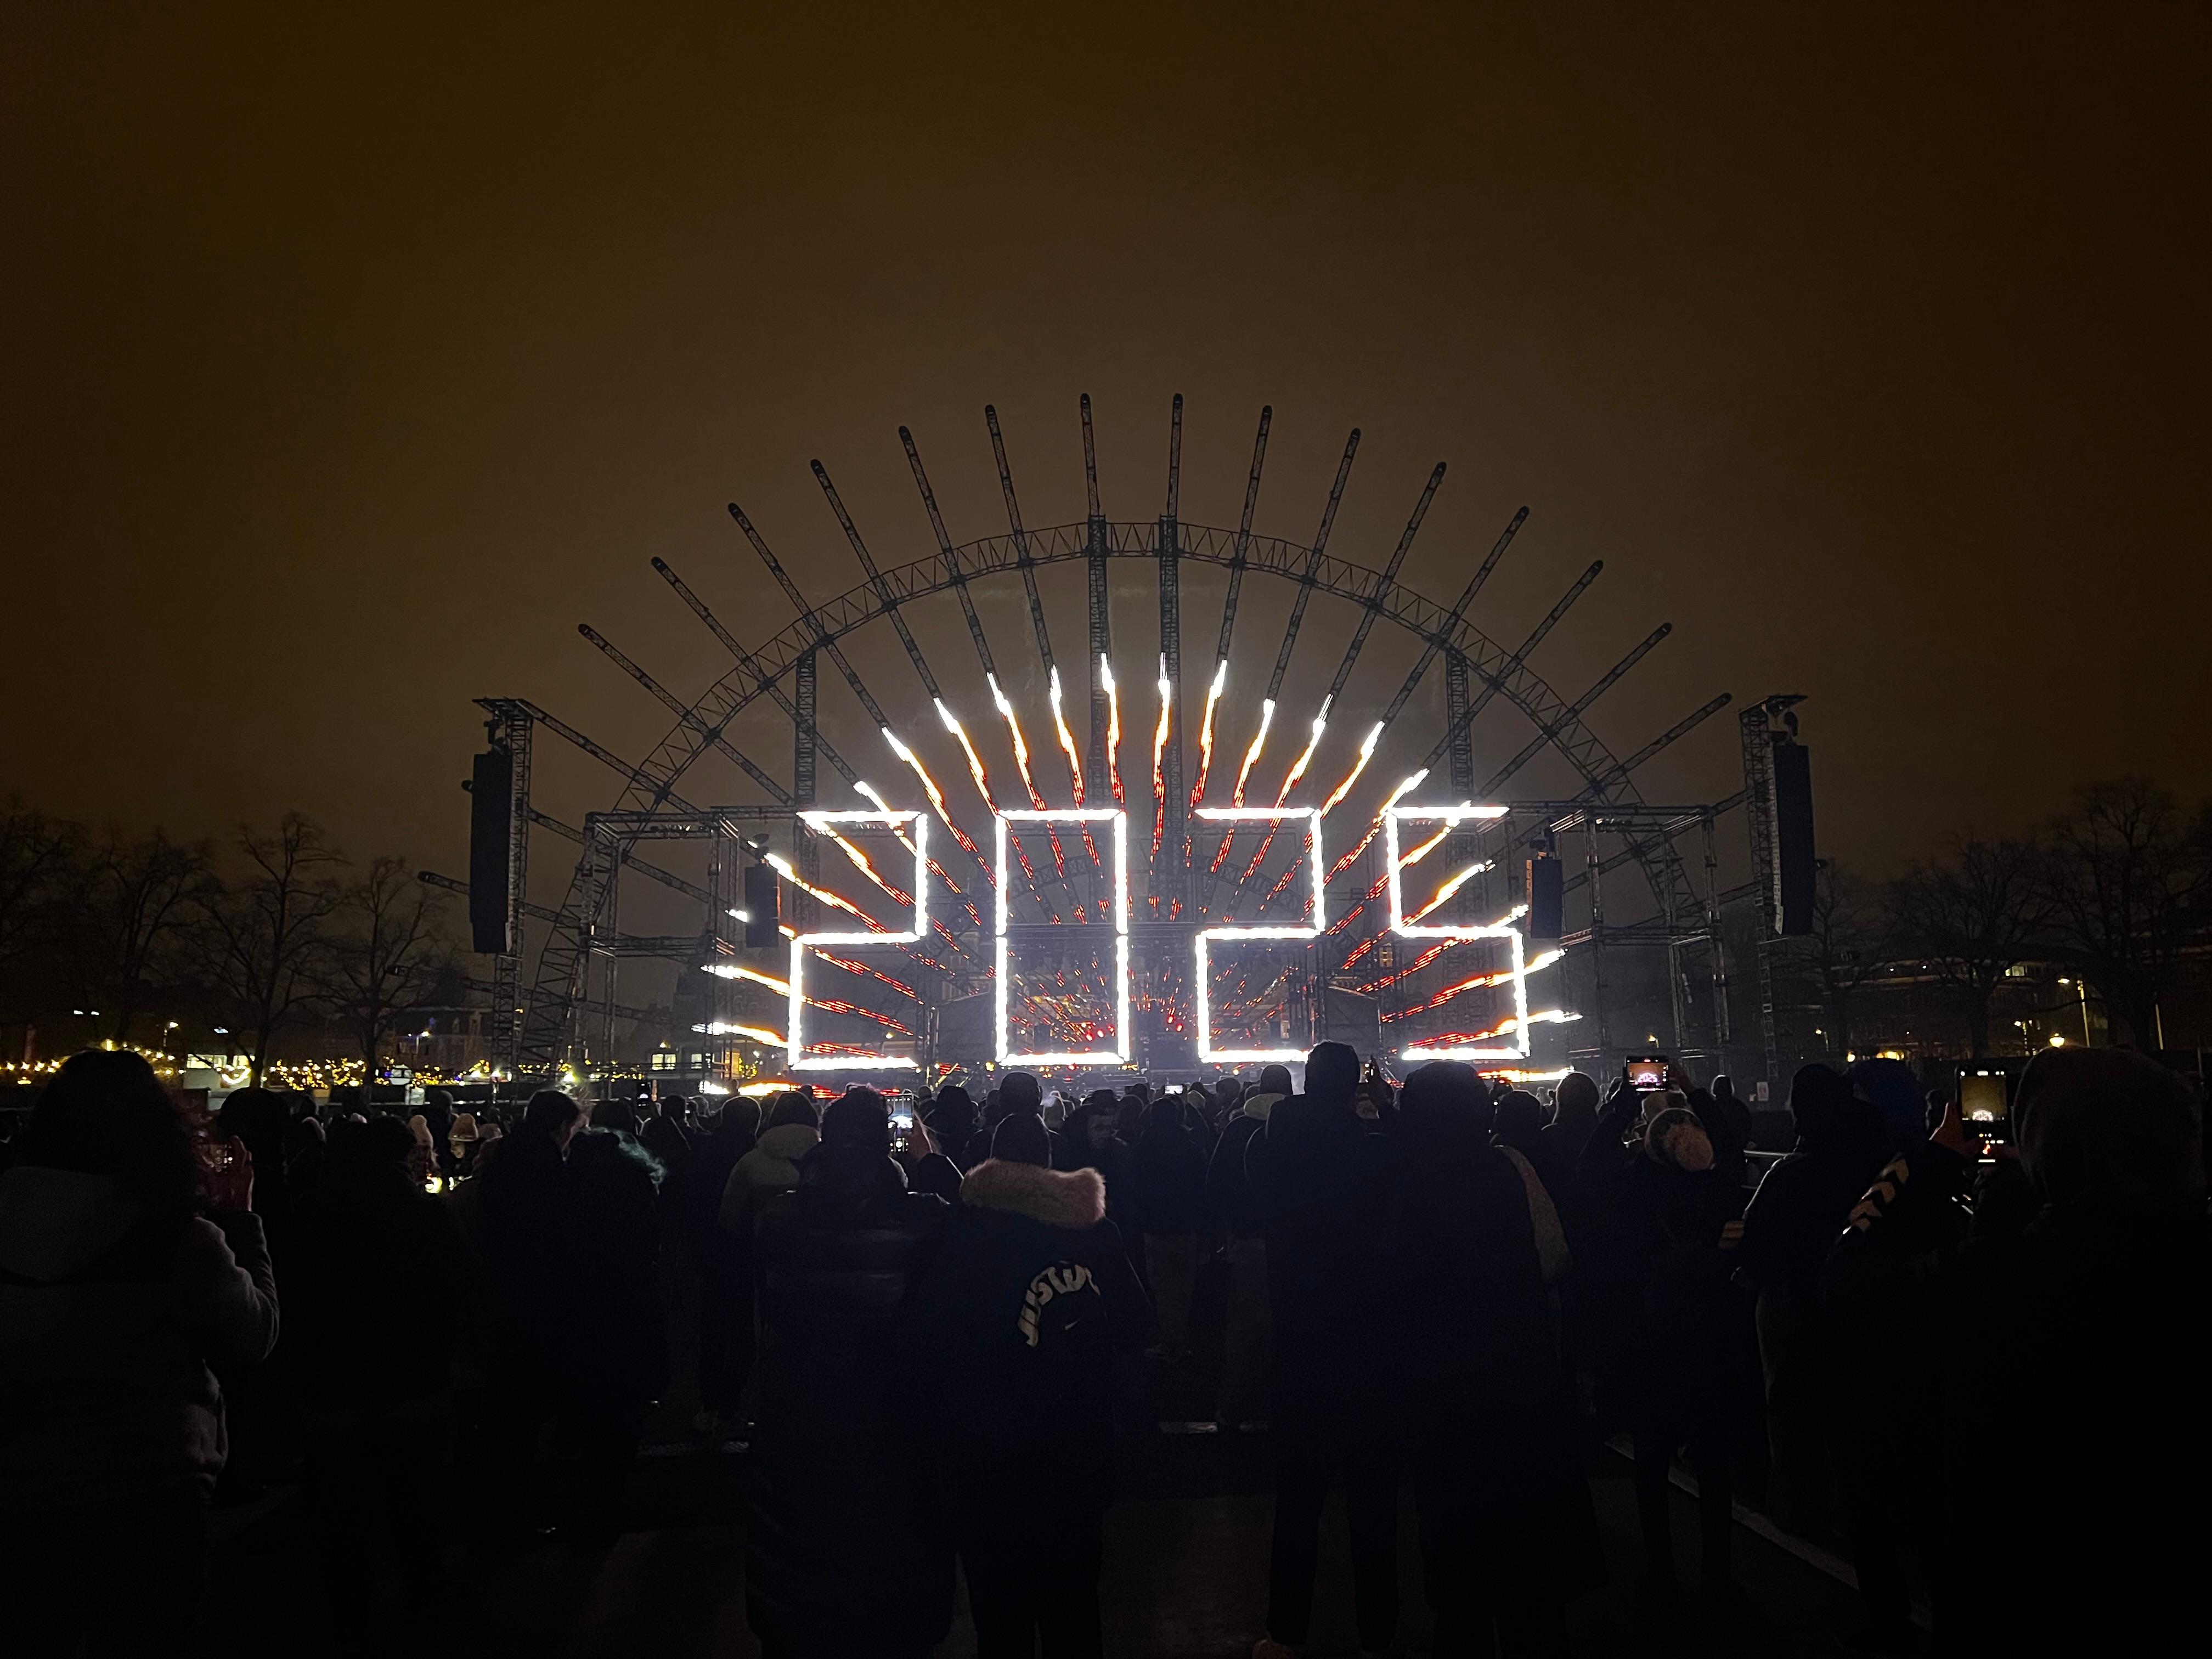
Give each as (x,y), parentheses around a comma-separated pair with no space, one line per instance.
(1018,1094)
(1087,1141)
(951,1123)
(1504,1509)
(1320,1179)
(119,1285)
(772,1166)
(1013,1334)
(847,1555)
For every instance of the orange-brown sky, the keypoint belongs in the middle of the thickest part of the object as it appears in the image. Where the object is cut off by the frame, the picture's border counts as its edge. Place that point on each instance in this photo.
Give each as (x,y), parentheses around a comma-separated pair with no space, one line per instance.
(355,355)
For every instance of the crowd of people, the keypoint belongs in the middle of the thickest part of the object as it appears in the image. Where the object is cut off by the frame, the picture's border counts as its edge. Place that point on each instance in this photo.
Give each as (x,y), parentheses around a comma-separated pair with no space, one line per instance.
(1974,1368)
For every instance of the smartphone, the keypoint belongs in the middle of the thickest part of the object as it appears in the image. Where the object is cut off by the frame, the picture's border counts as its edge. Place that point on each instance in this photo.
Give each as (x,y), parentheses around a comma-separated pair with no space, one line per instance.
(1986,1101)
(1648,1071)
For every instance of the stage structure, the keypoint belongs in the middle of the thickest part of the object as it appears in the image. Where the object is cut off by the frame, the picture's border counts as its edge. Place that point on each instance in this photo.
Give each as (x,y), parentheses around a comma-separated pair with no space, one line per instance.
(1166,884)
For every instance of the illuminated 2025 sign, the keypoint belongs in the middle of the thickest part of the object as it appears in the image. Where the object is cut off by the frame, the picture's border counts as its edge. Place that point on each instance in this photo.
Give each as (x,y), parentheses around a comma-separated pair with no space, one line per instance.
(917,825)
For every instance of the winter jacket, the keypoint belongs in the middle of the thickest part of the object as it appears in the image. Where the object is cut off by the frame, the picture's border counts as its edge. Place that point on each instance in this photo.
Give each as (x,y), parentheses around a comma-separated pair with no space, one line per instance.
(1473,1348)
(524,1218)
(617,1340)
(104,1349)
(770,1168)
(372,1287)
(1319,1175)
(2076,1346)
(845,1553)
(1014,1330)
(1228,1192)
(1170,1171)
(1072,1150)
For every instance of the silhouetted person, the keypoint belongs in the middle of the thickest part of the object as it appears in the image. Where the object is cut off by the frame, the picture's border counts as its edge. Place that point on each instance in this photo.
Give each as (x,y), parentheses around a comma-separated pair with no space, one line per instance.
(2063,1360)
(1087,1140)
(847,1556)
(438,1118)
(125,1268)
(951,1121)
(1666,1249)
(792,1131)
(661,1134)
(1503,1507)
(724,1261)
(1559,1148)
(523,1212)
(616,1362)
(1169,1170)
(1018,1094)
(1245,1337)
(1321,1178)
(1792,1223)
(372,1314)
(1013,1334)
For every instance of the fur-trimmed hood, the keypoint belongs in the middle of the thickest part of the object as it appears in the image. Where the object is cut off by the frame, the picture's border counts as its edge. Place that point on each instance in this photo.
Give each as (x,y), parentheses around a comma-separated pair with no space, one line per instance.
(1071,1199)
(1258,1106)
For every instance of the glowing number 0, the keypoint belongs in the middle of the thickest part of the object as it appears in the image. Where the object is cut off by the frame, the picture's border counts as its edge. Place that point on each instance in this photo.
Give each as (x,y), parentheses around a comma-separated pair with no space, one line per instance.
(1119,1055)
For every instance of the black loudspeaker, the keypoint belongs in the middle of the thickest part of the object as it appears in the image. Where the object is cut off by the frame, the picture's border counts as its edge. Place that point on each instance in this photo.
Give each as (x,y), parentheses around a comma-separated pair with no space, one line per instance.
(491,802)
(763,920)
(1547,898)
(1793,838)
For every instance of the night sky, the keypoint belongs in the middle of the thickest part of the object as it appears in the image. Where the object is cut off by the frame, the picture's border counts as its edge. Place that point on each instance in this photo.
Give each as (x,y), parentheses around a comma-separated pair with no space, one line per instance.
(355,355)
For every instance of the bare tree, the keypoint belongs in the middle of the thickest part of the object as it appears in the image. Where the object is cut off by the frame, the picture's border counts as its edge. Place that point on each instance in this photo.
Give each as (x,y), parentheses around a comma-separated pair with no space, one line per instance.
(1853,934)
(140,894)
(388,955)
(37,858)
(2129,873)
(268,933)
(1973,916)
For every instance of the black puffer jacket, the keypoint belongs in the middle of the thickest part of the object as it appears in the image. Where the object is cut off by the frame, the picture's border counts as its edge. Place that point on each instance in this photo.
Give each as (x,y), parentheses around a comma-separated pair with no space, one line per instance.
(1319,1175)
(618,1337)
(371,1308)
(1228,1194)
(1014,1327)
(1169,1167)
(845,1554)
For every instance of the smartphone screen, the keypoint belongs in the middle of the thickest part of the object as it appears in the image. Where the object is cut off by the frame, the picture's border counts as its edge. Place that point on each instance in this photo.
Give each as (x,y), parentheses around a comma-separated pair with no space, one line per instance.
(1985,1104)
(1647,1071)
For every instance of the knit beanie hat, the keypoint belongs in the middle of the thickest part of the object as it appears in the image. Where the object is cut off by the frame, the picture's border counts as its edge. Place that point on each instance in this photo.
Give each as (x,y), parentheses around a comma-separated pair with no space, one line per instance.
(1022,1137)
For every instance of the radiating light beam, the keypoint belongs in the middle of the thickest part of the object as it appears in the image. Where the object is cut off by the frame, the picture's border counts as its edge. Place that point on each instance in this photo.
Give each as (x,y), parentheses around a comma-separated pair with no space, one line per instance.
(1451,884)
(1366,754)
(1290,782)
(782,867)
(1206,733)
(1376,828)
(983,784)
(1252,754)
(1113,728)
(936,795)
(933,867)
(1159,757)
